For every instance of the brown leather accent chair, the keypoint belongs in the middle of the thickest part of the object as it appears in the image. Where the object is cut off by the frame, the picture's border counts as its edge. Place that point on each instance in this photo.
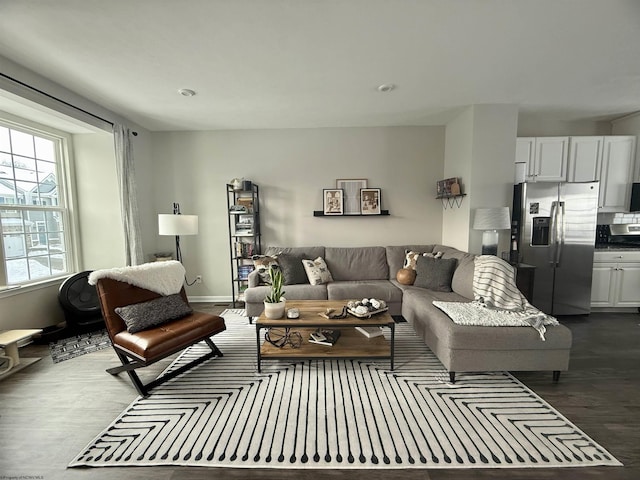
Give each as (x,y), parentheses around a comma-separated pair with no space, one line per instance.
(146,347)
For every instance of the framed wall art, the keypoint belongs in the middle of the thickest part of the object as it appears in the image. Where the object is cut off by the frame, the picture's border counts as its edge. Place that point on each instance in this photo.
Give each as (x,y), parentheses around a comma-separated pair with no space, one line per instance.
(370,201)
(333,201)
(351,188)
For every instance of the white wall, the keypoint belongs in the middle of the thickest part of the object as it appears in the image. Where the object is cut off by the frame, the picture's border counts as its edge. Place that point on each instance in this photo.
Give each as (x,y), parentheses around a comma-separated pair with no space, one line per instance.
(292,167)
(480,148)
(457,163)
(531,125)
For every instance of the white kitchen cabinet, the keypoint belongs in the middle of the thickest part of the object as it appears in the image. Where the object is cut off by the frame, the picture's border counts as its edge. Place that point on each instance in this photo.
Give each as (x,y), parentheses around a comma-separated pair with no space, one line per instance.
(616,279)
(546,158)
(618,159)
(585,158)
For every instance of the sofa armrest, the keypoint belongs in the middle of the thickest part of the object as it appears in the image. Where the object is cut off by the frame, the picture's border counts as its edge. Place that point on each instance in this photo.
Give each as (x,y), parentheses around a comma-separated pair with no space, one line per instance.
(253,279)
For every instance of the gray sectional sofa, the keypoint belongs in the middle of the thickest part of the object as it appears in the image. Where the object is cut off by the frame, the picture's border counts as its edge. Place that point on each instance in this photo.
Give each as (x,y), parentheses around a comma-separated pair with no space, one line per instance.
(370,272)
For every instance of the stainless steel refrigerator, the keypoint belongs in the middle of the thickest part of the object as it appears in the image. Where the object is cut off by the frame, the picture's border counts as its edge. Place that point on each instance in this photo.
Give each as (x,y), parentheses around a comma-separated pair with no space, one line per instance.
(555,225)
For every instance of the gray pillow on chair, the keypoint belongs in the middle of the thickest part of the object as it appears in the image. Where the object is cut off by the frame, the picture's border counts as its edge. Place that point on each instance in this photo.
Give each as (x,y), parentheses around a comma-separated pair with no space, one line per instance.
(435,273)
(141,316)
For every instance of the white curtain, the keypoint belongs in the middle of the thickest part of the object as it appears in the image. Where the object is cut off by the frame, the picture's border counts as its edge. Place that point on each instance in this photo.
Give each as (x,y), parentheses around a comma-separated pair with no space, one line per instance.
(128,196)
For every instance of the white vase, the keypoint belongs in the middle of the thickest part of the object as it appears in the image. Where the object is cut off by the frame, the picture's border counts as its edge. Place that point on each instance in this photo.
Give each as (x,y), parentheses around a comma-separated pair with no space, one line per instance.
(274,310)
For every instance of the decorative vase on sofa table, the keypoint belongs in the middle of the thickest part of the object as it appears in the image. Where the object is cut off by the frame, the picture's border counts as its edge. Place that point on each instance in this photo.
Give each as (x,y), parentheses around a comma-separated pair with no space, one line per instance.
(274,303)
(274,310)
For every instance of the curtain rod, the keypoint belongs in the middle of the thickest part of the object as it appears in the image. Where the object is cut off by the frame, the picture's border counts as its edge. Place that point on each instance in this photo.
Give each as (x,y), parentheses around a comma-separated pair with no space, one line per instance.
(59,100)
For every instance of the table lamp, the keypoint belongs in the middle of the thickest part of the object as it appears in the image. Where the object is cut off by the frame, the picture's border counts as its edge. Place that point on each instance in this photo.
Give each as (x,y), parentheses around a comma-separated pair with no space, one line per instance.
(490,220)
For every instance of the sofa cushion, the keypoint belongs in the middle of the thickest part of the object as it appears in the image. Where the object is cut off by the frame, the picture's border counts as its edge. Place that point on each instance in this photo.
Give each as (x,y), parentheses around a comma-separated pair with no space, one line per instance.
(292,268)
(359,289)
(304,252)
(317,271)
(435,273)
(357,263)
(153,313)
(256,295)
(462,281)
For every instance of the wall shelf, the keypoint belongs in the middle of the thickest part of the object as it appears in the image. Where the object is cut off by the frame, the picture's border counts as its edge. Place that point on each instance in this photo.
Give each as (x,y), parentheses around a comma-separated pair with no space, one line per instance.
(320,213)
(451,200)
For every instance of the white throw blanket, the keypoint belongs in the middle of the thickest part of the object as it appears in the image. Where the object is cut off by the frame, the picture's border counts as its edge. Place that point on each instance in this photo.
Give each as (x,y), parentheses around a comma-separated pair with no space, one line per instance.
(497,300)
(165,278)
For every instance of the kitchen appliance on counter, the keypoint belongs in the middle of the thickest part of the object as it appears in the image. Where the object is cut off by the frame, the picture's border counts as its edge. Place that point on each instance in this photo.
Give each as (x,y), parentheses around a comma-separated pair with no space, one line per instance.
(556,232)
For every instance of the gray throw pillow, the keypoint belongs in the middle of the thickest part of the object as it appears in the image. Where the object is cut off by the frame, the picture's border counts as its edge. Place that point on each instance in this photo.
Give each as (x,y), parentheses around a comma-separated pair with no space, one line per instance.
(141,316)
(434,273)
(292,268)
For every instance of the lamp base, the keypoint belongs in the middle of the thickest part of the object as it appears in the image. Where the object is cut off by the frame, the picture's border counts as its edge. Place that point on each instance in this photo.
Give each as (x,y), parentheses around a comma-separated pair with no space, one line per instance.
(490,242)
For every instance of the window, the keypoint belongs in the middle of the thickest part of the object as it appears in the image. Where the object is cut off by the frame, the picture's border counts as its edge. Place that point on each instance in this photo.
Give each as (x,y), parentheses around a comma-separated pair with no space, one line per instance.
(33,209)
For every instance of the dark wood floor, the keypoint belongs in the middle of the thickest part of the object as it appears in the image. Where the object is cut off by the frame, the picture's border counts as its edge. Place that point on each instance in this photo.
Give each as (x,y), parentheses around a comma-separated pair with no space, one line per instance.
(49,412)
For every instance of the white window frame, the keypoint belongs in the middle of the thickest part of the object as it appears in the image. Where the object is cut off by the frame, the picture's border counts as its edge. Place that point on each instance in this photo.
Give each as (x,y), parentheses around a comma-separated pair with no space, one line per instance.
(65,185)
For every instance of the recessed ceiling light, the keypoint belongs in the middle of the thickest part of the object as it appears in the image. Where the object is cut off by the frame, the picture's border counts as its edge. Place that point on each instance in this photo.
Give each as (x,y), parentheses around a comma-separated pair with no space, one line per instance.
(386,87)
(186,92)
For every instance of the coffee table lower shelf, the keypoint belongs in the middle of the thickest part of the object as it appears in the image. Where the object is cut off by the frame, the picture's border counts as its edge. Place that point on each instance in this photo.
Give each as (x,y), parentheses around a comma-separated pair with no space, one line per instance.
(351,344)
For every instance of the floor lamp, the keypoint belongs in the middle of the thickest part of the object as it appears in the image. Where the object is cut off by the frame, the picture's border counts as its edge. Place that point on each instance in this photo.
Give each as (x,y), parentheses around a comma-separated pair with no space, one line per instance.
(490,220)
(177,224)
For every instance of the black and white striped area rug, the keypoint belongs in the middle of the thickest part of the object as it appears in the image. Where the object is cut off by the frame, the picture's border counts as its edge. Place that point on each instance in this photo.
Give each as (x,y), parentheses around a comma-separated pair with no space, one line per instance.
(339,414)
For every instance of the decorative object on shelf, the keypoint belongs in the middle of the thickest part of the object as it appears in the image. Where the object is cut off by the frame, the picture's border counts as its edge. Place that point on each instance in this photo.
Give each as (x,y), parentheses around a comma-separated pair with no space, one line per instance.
(450,191)
(490,220)
(448,187)
(333,201)
(351,188)
(274,303)
(236,183)
(177,224)
(370,200)
(281,337)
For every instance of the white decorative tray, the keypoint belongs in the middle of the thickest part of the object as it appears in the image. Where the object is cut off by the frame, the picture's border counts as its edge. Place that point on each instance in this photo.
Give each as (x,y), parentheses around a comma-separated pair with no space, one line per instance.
(368,314)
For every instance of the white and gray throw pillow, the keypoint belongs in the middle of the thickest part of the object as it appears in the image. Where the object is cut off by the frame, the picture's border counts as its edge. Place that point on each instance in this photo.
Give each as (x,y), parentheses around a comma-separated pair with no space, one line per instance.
(317,271)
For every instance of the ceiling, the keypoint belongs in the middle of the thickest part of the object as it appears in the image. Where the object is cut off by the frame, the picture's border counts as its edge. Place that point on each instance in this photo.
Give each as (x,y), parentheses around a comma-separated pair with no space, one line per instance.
(318,63)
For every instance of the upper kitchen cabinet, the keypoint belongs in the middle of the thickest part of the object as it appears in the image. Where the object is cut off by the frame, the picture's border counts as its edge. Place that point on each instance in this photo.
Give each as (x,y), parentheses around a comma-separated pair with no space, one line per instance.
(546,158)
(609,159)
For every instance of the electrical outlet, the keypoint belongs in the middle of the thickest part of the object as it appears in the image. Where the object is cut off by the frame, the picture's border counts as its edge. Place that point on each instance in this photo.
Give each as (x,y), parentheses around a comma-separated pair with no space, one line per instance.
(199,279)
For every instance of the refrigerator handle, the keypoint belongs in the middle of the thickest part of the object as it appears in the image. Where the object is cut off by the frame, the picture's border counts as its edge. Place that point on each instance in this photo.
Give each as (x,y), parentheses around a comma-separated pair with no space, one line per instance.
(560,232)
(553,234)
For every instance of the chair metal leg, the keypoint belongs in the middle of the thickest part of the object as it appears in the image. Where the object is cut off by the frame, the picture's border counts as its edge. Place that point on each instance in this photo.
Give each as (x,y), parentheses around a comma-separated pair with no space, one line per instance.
(556,376)
(143,389)
(452,377)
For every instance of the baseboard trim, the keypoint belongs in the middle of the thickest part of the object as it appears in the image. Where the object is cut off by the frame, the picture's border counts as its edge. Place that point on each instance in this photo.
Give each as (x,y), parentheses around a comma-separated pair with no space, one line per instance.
(209,299)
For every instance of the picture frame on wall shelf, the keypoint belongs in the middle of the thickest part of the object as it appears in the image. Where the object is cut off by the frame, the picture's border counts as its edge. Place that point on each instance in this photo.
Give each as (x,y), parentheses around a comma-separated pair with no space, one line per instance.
(333,201)
(351,188)
(370,200)
(447,187)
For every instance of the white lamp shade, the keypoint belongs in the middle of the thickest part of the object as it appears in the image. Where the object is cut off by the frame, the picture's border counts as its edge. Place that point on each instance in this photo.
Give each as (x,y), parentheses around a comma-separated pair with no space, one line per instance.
(170,224)
(492,219)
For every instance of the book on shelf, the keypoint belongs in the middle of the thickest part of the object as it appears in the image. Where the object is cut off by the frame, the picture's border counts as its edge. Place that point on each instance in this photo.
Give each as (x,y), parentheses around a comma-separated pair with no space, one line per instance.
(244,271)
(370,332)
(244,249)
(324,337)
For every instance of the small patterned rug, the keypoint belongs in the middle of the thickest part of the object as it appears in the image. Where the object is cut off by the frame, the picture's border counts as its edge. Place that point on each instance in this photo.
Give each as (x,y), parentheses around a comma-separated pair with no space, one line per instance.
(72,347)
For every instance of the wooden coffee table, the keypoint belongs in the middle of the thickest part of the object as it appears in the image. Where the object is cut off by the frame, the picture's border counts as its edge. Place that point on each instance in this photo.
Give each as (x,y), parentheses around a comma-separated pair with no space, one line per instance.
(351,344)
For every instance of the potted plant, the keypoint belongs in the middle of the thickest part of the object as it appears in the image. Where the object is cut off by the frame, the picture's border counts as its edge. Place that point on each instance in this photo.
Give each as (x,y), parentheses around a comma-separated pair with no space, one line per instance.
(274,303)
